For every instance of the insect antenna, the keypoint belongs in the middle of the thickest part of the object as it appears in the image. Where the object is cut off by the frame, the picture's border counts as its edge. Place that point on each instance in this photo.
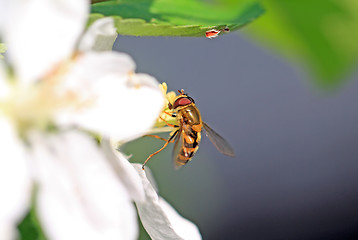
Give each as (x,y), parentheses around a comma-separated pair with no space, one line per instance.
(181,92)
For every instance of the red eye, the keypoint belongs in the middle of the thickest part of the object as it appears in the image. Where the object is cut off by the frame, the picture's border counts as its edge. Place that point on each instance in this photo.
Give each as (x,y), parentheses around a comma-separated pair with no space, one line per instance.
(181,102)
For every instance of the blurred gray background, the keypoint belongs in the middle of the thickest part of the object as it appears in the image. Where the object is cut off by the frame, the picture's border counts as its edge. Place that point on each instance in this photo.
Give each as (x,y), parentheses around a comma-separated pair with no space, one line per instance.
(295,174)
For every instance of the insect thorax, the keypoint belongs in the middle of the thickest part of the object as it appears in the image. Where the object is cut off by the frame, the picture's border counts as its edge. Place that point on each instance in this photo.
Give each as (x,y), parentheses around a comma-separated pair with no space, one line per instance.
(189,115)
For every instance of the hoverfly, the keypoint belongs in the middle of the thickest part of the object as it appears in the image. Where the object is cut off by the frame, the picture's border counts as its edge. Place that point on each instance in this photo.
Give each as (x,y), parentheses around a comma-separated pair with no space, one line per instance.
(187,135)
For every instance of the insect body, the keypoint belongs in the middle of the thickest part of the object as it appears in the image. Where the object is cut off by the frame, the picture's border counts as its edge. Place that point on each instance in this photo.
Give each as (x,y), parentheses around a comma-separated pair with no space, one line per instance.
(213,33)
(188,133)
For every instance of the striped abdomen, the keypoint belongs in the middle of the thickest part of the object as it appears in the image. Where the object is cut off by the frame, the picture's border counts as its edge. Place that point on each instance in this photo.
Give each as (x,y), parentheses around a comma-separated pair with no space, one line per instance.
(189,134)
(191,140)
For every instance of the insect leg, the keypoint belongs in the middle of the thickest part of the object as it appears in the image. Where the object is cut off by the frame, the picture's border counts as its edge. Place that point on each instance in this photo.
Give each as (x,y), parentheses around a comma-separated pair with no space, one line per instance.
(168,141)
(155,136)
(170,125)
(170,114)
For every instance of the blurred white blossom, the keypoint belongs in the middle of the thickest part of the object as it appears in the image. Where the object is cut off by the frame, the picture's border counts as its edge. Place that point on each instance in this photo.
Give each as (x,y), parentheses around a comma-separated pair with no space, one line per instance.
(161,220)
(100,36)
(54,89)
(79,196)
(14,179)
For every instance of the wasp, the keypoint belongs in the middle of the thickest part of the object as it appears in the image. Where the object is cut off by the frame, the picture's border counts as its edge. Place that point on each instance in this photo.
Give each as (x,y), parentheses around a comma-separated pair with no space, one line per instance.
(187,134)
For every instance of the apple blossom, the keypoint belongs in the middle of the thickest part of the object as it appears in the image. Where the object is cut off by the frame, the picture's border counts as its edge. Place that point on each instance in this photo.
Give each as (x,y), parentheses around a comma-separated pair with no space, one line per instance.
(57,92)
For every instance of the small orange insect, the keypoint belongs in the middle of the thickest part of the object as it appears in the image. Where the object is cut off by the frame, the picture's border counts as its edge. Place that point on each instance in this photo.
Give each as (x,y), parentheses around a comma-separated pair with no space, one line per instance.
(213,33)
(188,133)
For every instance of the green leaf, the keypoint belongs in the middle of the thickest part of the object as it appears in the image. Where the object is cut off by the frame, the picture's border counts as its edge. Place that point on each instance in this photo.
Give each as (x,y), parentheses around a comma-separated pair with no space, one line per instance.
(3,49)
(322,34)
(30,227)
(189,18)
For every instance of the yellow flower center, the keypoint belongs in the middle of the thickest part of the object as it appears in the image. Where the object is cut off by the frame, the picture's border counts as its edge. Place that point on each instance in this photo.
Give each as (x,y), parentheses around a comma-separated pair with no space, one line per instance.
(170,97)
(34,105)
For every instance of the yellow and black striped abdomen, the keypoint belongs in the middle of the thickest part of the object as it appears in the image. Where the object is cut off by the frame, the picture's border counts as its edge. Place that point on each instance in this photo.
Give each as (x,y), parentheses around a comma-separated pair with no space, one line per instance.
(189,136)
(190,144)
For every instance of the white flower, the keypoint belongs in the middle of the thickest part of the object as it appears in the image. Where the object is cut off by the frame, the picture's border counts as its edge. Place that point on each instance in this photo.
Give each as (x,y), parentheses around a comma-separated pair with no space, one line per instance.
(112,99)
(41,33)
(14,180)
(99,37)
(80,196)
(84,191)
(160,220)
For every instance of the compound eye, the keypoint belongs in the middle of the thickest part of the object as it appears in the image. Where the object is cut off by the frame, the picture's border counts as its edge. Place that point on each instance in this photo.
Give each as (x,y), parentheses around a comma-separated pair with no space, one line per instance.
(181,102)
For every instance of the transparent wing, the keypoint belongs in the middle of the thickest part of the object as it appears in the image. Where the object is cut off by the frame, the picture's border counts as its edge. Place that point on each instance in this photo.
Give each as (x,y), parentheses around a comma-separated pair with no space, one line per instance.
(219,142)
(178,145)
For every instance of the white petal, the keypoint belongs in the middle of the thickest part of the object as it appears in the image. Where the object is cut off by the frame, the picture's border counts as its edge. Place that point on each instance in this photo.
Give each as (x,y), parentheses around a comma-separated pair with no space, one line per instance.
(100,36)
(7,231)
(4,14)
(159,219)
(119,103)
(80,196)
(124,171)
(41,33)
(15,180)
